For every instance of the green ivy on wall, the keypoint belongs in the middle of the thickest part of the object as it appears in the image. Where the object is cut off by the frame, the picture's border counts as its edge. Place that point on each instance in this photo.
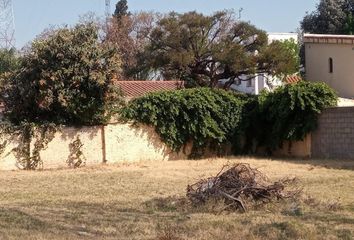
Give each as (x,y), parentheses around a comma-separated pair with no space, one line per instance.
(207,117)
(211,118)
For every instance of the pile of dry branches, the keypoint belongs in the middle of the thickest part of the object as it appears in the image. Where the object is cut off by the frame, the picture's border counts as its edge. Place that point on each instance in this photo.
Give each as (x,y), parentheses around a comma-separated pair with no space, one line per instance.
(239,186)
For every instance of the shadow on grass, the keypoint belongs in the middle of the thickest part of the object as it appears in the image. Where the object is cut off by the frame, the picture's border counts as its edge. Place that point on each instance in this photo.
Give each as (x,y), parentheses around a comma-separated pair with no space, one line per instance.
(333,218)
(13,218)
(341,164)
(282,230)
(183,206)
(14,222)
(299,230)
(84,220)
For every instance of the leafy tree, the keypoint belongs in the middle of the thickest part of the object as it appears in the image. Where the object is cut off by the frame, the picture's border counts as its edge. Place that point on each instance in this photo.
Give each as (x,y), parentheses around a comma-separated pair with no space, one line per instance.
(330,17)
(121,9)
(294,48)
(9,61)
(129,35)
(204,49)
(65,77)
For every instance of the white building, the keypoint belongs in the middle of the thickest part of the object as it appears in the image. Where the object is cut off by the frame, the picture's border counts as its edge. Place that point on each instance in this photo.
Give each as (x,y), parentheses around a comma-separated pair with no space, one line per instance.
(282,37)
(257,84)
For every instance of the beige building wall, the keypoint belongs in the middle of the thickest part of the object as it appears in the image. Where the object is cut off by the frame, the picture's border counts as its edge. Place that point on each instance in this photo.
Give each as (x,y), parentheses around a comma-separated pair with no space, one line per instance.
(317,66)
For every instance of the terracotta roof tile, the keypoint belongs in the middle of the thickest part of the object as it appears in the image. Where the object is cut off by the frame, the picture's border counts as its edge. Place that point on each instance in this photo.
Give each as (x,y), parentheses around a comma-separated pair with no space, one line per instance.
(133,89)
(292,79)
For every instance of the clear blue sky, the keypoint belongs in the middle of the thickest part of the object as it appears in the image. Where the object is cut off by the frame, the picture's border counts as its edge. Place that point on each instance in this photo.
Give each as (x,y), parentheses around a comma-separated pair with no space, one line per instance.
(33,16)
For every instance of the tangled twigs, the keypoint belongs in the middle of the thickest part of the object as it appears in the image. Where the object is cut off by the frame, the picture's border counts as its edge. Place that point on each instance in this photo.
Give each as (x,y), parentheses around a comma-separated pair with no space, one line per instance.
(239,186)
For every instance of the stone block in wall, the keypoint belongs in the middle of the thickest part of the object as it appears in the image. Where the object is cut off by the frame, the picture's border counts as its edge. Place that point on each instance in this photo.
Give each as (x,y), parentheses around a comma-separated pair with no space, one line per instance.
(334,139)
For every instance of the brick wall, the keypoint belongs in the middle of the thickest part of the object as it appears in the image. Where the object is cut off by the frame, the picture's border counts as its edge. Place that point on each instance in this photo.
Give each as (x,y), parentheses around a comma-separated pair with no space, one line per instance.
(334,137)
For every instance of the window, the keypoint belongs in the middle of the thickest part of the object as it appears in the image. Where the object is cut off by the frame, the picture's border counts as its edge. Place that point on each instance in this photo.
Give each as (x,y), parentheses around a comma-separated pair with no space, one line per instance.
(330,65)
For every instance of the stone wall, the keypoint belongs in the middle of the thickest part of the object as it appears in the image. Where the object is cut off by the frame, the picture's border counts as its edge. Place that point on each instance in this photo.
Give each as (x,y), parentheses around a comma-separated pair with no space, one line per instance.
(334,137)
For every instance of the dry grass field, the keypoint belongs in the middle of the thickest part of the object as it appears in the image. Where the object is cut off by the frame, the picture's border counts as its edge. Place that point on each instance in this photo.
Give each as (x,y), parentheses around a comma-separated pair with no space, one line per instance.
(145,201)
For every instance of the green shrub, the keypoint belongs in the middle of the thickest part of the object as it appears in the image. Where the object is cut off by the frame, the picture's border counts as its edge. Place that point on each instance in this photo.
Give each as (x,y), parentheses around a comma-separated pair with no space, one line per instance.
(291,112)
(207,117)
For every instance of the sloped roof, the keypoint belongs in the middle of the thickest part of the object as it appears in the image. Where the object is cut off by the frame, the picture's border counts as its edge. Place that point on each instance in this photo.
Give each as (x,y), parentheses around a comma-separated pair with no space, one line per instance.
(133,89)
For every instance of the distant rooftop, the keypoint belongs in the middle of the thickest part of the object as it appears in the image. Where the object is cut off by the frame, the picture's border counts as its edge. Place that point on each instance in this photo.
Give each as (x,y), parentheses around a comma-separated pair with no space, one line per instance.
(329,39)
(283,33)
(281,36)
(133,89)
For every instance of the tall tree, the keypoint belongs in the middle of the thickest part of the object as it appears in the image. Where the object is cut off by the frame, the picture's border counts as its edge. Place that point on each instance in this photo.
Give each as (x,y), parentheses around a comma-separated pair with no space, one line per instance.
(205,49)
(130,34)
(121,9)
(330,17)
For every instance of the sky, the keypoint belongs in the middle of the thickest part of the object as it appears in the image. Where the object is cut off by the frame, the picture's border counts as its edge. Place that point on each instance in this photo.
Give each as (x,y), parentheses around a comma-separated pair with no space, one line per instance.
(34,16)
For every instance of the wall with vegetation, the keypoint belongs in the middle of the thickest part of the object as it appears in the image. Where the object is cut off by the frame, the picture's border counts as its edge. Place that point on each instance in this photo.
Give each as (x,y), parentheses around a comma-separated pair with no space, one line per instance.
(112,143)
(115,143)
(59,150)
(8,156)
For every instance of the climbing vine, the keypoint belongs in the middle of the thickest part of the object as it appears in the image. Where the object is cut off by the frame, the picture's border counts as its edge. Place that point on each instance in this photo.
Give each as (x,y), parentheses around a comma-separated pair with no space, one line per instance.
(28,134)
(76,158)
(209,118)
(212,117)
(291,112)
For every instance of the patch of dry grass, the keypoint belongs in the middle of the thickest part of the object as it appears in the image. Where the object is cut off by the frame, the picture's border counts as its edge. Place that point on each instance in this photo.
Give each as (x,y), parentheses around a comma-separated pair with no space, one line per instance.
(146,201)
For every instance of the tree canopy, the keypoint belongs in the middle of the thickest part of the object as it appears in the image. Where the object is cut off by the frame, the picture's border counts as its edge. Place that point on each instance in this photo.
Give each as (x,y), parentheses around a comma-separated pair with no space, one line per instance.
(121,9)
(64,77)
(330,17)
(129,35)
(205,49)
(8,60)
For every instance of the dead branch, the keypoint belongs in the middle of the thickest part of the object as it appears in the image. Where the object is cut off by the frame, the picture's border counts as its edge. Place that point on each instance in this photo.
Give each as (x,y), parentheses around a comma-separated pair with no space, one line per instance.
(240,185)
